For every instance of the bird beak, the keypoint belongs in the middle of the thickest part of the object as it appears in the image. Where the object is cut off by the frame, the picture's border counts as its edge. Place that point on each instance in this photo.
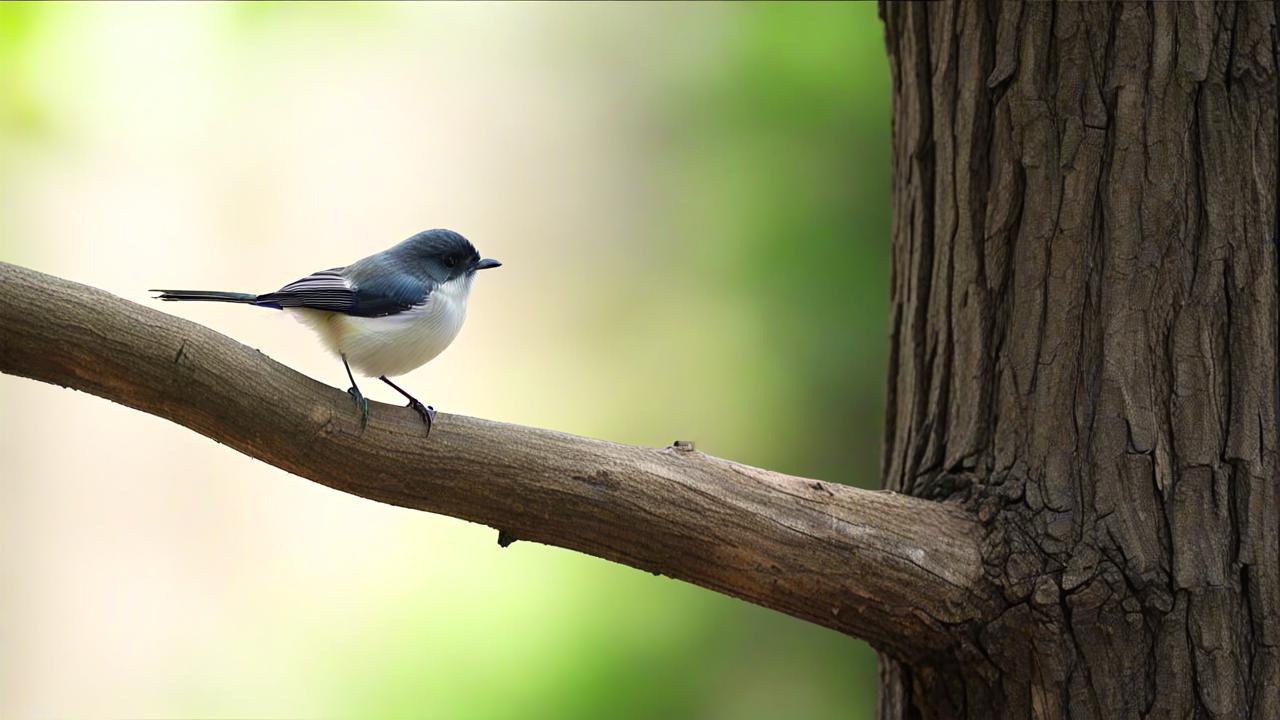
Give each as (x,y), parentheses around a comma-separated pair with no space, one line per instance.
(486,264)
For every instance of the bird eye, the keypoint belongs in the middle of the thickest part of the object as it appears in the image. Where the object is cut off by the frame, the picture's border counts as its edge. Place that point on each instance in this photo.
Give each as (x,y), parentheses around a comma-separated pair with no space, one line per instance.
(450,261)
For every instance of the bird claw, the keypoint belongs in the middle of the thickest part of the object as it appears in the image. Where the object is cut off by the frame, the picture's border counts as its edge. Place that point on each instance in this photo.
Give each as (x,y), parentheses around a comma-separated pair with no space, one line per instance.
(362,404)
(426,412)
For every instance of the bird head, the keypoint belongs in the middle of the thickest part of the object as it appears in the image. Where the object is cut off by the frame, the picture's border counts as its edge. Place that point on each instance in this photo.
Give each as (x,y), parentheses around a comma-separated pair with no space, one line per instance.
(445,255)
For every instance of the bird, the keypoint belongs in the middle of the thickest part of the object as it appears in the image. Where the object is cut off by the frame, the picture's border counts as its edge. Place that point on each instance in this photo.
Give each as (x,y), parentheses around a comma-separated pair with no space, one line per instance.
(385,314)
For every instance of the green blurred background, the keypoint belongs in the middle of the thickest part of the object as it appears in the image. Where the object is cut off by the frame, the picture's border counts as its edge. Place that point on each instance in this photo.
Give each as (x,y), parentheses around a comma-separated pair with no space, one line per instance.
(692,202)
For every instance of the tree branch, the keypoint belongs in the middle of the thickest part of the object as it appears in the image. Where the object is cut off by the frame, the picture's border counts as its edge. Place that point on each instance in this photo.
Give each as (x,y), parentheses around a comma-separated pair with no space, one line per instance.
(900,572)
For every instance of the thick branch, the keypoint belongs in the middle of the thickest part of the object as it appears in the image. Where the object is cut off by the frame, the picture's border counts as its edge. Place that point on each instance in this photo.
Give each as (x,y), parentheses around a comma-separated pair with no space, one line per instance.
(898,571)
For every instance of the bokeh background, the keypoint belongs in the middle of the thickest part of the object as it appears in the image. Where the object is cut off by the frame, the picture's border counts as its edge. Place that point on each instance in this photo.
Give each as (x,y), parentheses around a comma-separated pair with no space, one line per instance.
(692,204)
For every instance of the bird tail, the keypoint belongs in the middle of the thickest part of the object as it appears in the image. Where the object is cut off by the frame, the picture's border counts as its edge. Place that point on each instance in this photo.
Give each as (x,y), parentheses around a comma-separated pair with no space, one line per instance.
(206,295)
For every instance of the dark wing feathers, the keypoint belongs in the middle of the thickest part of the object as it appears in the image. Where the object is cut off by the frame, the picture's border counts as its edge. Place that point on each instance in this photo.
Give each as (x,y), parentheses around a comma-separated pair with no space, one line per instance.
(388,293)
(360,291)
(325,290)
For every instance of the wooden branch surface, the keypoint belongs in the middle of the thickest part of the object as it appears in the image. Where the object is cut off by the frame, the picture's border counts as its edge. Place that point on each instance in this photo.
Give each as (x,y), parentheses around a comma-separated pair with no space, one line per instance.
(900,572)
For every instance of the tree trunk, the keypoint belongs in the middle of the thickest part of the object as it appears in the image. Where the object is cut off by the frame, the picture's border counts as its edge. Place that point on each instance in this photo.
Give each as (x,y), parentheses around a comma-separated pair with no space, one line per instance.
(1084,350)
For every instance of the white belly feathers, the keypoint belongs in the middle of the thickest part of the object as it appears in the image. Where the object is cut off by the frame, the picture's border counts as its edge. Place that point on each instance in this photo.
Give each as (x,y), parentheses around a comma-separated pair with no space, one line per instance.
(394,344)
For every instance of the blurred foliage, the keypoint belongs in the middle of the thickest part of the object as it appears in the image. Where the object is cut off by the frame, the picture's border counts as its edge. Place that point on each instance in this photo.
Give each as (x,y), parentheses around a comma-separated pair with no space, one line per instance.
(775,169)
(789,159)
(783,182)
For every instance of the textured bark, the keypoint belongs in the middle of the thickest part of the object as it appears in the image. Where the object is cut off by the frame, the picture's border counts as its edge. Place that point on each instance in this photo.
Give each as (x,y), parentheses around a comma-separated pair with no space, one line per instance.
(849,559)
(1084,349)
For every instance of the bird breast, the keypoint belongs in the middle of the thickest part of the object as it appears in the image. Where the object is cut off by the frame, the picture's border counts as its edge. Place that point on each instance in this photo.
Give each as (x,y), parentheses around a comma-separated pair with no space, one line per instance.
(395,344)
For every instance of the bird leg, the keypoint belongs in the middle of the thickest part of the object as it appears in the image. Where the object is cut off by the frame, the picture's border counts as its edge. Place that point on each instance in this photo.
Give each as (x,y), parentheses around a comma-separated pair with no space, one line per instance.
(426,412)
(362,403)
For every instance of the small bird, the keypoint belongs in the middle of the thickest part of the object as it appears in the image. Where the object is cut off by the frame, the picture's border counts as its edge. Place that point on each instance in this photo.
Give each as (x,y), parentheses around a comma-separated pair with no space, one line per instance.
(385,314)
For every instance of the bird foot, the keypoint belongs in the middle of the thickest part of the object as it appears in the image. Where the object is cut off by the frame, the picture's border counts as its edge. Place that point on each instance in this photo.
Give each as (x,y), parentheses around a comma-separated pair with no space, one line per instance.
(362,404)
(426,412)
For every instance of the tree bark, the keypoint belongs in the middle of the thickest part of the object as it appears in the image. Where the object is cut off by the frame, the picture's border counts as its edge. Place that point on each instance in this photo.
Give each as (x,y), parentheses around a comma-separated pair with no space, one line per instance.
(849,559)
(1084,350)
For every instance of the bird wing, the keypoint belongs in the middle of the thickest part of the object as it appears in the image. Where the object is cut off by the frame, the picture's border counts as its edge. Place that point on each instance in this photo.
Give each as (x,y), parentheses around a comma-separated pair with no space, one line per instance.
(335,290)
(324,290)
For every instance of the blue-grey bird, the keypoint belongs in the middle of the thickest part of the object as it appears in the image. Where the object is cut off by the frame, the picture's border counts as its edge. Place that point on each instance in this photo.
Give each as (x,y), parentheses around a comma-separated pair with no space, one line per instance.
(386,314)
